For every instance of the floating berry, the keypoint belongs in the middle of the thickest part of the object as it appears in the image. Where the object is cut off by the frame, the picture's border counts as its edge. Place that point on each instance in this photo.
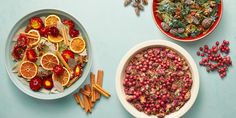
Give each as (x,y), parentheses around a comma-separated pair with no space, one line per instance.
(73,33)
(35,83)
(54,31)
(69,23)
(44,31)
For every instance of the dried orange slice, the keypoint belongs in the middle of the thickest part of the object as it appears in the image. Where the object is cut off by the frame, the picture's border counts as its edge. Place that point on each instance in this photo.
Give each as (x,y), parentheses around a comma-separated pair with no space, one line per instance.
(34,41)
(28,69)
(63,78)
(52,20)
(77,45)
(48,61)
(53,39)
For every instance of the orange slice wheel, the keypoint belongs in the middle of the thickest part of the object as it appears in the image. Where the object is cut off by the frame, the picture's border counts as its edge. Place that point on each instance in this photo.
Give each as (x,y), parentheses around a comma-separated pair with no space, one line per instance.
(53,39)
(63,78)
(77,45)
(52,20)
(28,70)
(48,61)
(34,41)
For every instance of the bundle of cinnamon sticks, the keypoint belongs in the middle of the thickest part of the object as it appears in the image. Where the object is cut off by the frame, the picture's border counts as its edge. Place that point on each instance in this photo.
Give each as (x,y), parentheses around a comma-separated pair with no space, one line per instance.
(91,92)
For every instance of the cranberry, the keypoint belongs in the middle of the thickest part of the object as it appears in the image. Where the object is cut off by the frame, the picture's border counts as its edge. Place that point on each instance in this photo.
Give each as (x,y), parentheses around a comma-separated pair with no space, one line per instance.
(54,31)
(73,33)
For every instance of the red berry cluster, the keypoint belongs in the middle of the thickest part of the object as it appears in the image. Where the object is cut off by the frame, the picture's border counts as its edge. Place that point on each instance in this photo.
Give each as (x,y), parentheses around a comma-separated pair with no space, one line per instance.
(216,58)
(72,31)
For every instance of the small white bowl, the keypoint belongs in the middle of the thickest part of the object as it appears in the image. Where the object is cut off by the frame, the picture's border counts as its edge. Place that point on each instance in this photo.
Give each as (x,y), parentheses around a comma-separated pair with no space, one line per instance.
(156,43)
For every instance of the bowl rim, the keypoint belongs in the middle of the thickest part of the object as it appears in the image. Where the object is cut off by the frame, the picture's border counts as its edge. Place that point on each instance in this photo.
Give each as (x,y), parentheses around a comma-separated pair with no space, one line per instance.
(155,43)
(213,27)
(20,85)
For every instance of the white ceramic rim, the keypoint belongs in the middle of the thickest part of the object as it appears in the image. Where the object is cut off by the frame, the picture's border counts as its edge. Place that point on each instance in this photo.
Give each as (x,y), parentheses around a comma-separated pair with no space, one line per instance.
(69,90)
(156,43)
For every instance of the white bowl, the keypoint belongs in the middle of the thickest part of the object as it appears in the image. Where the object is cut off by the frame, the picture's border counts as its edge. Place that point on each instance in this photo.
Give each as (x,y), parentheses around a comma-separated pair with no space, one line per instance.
(156,43)
(9,63)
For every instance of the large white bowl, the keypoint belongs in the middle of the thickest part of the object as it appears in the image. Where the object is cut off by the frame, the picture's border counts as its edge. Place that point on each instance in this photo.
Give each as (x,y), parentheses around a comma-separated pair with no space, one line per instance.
(9,63)
(156,43)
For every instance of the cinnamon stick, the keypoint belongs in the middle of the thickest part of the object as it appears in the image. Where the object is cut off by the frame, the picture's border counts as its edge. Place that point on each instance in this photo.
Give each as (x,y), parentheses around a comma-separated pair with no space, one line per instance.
(92,82)
(63,61)
(100,74)
(86,104)
(101,90)
(72,81)
(78,100)
(88,88)
(86,93)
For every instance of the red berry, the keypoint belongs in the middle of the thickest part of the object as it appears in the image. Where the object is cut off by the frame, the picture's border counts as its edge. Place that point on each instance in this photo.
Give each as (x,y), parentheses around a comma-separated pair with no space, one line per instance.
(31,55)
(48,83)
(35,83)
(198,53)
(217,43)
(54,31)
(58,69)
(36,23)
(201,49)
(44,31)
(206,47)
(67,54)
(69,23)
(73,33)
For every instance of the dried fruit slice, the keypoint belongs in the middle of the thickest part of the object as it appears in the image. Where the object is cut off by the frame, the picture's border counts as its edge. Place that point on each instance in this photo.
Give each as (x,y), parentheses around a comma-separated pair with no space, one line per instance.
(63,78)
(28,70)
(52,20)
(34,41)
(77,45)
(48,61)
(53,39)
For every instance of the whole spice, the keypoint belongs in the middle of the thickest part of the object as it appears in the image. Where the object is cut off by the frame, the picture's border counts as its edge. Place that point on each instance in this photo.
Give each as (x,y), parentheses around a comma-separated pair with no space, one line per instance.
(137,4)
(90,91)
(216,58)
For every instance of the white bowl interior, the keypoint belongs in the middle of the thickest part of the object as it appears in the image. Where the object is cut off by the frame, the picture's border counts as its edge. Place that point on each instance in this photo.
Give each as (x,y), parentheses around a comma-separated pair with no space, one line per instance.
(9,63)
(156,43)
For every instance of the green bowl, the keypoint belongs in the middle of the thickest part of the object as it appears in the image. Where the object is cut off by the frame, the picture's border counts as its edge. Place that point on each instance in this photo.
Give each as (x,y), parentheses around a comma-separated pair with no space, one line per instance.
(9,63)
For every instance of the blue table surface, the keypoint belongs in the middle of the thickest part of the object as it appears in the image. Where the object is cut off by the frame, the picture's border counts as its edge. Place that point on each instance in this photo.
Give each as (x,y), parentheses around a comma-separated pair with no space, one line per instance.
(113,30)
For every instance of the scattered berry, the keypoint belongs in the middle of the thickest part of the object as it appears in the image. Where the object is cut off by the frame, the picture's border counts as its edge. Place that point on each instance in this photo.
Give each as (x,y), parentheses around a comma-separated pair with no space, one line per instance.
(215,60)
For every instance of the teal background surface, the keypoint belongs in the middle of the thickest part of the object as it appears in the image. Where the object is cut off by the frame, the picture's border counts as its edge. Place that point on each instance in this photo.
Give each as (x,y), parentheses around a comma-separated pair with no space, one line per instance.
(113,30)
